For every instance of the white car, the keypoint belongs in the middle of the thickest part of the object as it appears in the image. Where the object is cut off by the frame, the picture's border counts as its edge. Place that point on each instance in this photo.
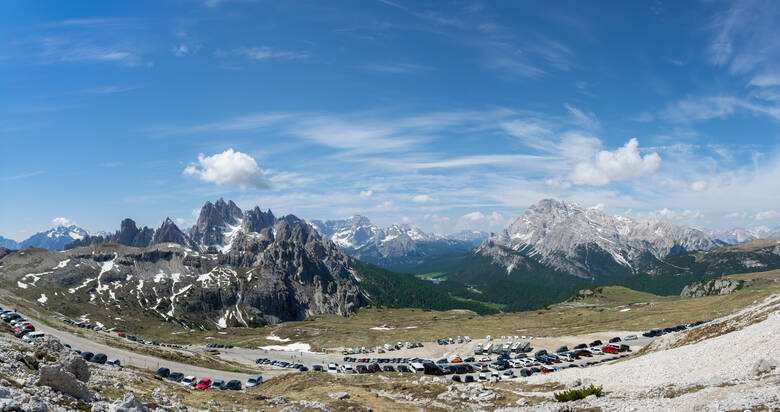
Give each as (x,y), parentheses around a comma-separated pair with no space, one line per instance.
(467,339)
(482,377)
(630,337)
(484,359)
(596,351)
(347,369)
(333,368)
(187,381)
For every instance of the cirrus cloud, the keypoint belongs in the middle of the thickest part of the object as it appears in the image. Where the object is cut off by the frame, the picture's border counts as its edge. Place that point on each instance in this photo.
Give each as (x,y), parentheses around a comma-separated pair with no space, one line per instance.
(229,167)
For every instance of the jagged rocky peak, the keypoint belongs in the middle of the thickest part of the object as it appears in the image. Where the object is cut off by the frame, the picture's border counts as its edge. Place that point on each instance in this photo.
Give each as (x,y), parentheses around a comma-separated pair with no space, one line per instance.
(214,220)
(170,233)
(255,220)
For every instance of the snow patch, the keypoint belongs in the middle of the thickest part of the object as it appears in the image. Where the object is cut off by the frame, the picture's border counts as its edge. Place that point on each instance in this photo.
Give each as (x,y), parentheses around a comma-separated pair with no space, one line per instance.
(277,339)
(62,264)
(383,327)
(293,347)
(625,309)
(21,285)
(43,298)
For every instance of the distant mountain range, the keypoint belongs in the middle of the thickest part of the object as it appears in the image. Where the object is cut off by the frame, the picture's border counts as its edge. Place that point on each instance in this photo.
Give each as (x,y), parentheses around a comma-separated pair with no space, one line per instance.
(396,247)
(741,235)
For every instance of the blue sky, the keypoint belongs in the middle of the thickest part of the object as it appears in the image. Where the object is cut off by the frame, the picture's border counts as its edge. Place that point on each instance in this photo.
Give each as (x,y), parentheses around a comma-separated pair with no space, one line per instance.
(446,115)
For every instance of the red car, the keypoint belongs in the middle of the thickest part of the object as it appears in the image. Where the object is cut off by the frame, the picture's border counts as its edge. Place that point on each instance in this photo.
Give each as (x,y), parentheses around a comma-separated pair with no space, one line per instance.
(122,334)
(31,328)
(545,369)
(609,349)
(203,384)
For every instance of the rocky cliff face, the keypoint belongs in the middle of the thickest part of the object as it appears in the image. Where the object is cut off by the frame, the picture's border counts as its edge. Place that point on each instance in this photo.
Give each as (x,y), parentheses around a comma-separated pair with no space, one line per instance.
(285,271)
(712,287)
(587,242)
(214,220)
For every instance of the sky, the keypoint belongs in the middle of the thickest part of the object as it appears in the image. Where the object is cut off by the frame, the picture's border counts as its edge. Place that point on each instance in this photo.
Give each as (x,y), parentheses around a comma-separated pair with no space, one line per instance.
(445,115)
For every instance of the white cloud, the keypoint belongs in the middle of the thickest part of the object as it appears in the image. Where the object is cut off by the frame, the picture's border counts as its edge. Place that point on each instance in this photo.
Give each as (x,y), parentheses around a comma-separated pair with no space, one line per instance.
(61,221)
(699,186)
(587,120)
(387,204)
(481,221)
(267,53)
(424,199)
(181,50)
(180,221)
(436,218)
(229,167)
(366,193)
(768,214)
(624,163)
(597,206)
(735,215)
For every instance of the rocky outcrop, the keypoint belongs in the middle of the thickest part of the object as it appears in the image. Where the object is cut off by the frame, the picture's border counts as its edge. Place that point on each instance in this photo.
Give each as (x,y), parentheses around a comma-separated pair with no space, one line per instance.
(57,378)
(215,219)
(712,287)
(128,234)
(168,232)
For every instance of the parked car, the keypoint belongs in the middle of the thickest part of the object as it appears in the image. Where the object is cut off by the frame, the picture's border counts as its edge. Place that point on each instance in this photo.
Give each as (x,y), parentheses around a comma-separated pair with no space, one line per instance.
(234,385)
(254,380)
(614,340)
(189,381)
(175,377)
(203,384)
(317,368)
(113,362)
(595,343)
(456,378)
(388,368)
(100,358)
(482,376)
(87,355)
(581,346)
(403,368)
(630,337)
(163,372)
(218,384)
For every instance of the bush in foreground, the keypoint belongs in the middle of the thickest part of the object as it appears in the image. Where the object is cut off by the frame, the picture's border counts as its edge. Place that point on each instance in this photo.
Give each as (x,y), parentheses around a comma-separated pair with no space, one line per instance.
(576,394)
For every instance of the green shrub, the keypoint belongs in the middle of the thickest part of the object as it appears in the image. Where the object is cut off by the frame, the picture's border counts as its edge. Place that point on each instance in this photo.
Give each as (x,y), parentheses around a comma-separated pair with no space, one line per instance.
(576,394)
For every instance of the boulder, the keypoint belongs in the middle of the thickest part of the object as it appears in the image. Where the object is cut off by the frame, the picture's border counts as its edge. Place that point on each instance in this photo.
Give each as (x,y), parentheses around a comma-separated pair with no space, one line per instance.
(762,366)
(10,405)
(57,378)
(128,404)
(50,345)
(76,365)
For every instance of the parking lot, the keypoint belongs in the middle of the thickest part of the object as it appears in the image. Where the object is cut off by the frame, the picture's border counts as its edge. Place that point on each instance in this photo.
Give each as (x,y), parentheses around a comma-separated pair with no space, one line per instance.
(461,360)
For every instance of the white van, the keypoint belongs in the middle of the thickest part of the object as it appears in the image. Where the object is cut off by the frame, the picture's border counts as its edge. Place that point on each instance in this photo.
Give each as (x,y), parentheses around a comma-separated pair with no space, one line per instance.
(333,368)
(346,368)
(417,367)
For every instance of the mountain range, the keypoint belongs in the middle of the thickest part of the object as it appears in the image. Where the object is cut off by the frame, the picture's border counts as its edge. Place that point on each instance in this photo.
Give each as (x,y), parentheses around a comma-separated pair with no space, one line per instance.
(397,247)
(251,267)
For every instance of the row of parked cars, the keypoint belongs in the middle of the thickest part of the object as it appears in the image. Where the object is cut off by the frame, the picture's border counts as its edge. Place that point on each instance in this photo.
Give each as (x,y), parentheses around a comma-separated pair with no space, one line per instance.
(22,328)
(381,349)
(85,325)
(658,332)
(281,364)
(206,383)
